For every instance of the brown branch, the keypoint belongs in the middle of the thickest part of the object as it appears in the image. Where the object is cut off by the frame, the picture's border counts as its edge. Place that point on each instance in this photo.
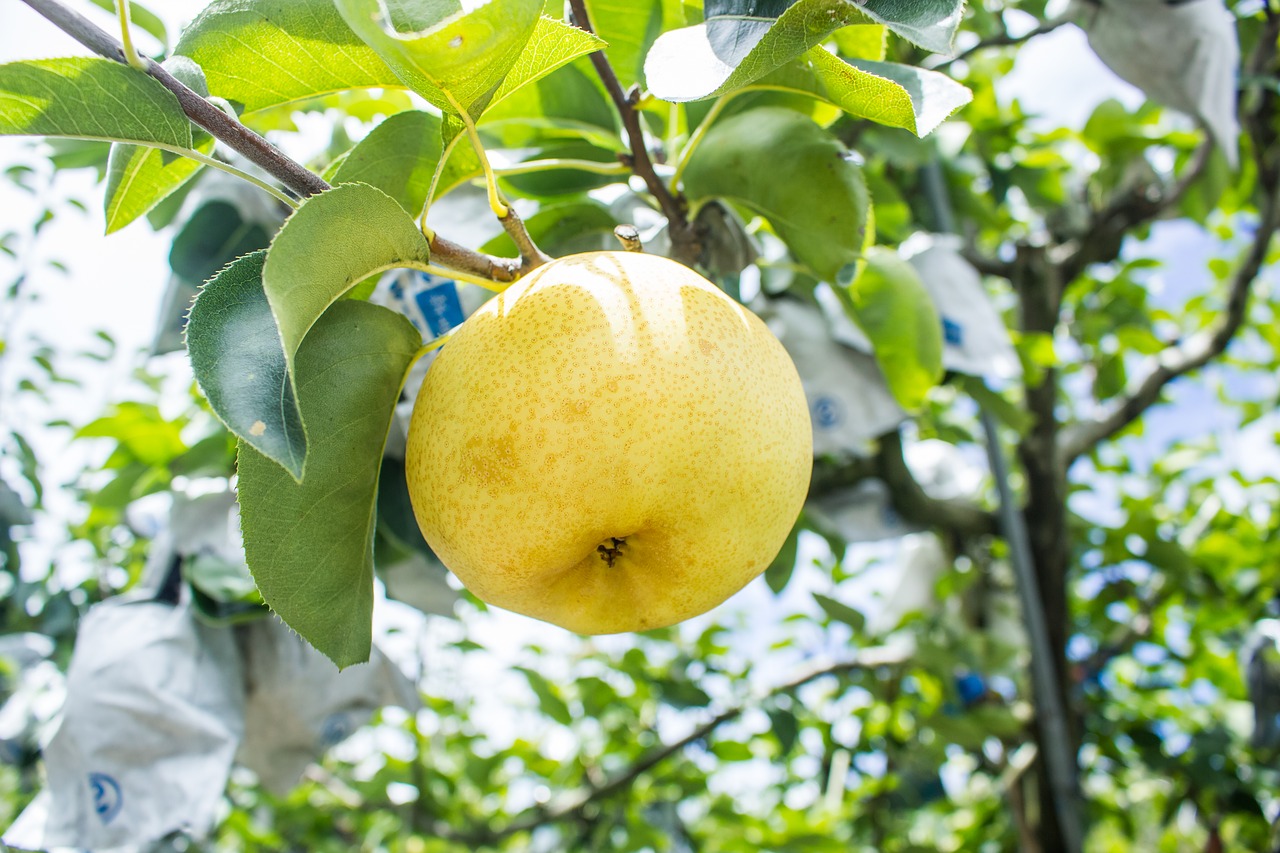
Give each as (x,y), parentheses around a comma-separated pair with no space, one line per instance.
(258,150)
(684,238)
(573,805)
(530,255)
(1102,239)
(911,500)
(1191,354)
(1006,40)
(220,125)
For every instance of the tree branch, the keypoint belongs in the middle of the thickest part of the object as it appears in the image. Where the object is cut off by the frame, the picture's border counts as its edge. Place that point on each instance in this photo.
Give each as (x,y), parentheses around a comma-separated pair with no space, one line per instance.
(1006,40)
(1102,238)
(914,504)
(1194,352)
(573,805)
(684,238)
(259,151)
(224,128)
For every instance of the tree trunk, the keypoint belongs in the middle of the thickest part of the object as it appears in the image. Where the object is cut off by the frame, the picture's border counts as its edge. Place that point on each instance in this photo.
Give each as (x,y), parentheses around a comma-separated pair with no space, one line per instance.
(1046,518)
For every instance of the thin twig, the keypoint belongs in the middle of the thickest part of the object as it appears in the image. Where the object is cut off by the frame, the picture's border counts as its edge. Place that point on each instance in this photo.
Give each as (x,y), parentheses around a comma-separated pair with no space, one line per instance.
(1006,40)
(530,255)
(683,234)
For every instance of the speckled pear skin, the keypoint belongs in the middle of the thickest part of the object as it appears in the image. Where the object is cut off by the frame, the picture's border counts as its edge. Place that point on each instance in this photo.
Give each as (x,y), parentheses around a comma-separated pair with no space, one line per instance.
(612,444)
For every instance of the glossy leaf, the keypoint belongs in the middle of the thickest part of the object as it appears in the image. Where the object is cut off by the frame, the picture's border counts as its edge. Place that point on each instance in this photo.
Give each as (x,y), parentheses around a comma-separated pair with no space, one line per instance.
(782,165)
(732,49)
(934,96)
(455,61)
(89,98)
(238,360)
(334,240)
(862,41)
(928,23)
(400,156)
(568,104)
(139,178)
(262,53)
(891,305)
(310,545)
(552,45)
(215,235)
(630,29)
(854,90)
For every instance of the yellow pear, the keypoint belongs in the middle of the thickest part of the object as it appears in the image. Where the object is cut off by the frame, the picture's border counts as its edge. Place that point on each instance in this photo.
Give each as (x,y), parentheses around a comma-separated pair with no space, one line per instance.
(612,444)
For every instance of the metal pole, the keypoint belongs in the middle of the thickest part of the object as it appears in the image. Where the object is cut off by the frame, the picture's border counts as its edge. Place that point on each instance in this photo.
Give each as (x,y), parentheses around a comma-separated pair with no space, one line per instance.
(1055,735)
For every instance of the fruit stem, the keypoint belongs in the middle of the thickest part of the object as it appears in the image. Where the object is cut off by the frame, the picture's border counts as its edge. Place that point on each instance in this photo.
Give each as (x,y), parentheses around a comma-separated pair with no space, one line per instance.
(611,550)
(629,237)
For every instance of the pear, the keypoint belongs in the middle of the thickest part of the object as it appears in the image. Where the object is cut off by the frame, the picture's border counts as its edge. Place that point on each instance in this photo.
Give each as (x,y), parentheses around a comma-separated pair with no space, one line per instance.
(612,444)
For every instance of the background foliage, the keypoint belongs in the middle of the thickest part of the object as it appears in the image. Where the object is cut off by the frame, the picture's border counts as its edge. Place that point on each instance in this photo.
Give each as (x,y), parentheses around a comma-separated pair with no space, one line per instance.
(786,720)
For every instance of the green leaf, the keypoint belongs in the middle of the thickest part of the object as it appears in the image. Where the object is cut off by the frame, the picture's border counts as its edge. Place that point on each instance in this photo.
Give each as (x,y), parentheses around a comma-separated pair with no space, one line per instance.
(549,699)
(630,29)
(568,104)
(215,235)
(733,48)
(783,565)
(310,544)
(782,165)
(891,305)
(139,178)
(141,17)
(551,45)
(454,60)
(929,23)
(263,53)
(731,750)
(786,728)
(400,156)
(857,92)
(89,98)
(141,430)
(238,361)
(862,41)
(934,96)
(840,612)
(334,240)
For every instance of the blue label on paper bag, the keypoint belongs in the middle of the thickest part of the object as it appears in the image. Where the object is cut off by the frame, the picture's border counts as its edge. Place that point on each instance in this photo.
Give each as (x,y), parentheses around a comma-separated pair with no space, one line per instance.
(107,796)
(429,301)
(952,332)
